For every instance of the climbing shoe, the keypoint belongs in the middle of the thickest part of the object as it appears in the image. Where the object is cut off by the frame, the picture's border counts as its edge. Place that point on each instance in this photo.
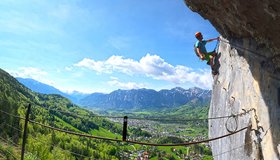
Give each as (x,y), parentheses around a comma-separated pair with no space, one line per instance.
(214,72)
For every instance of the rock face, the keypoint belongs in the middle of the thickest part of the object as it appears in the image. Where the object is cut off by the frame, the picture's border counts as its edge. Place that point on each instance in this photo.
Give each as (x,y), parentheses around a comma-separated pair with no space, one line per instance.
(249,77)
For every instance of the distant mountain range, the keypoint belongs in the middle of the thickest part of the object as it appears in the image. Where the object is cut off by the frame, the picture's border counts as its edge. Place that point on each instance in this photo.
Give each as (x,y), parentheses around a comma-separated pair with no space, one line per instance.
(47,89)
(135,99)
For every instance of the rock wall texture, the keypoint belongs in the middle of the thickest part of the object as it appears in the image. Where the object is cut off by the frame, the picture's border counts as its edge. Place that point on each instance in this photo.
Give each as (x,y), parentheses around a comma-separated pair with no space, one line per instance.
(249,77)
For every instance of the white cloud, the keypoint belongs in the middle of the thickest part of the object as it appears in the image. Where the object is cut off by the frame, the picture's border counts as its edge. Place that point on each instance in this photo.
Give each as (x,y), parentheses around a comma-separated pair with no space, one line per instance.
(125,85)
(151,66)
(97,66)
(127,66)
(31,72)
(155,66)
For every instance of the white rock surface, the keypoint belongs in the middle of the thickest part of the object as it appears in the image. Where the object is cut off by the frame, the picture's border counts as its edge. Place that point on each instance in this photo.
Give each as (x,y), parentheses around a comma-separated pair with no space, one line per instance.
(244,83)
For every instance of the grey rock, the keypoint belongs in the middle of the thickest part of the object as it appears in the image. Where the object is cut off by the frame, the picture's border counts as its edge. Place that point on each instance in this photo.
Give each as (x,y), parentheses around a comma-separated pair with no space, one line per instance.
(242,85)
(249,77)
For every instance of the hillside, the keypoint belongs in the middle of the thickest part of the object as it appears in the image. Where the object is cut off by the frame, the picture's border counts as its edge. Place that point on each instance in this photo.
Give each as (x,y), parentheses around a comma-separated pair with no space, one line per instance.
(56,111)
(146,99)
(12,97)
(38,86)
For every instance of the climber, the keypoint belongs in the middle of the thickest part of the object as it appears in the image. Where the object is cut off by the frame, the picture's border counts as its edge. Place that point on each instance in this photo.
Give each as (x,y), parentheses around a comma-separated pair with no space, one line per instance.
(202,53)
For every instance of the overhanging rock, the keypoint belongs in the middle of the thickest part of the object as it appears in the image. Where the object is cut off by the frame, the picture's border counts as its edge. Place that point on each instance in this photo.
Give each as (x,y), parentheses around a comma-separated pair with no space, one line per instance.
(249,76)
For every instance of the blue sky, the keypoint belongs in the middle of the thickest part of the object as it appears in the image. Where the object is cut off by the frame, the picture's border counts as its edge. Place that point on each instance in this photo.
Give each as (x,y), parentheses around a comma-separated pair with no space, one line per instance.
(104,45)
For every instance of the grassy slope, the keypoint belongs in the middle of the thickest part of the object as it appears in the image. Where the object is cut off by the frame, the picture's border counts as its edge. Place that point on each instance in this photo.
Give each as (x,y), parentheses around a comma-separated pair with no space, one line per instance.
(14,98)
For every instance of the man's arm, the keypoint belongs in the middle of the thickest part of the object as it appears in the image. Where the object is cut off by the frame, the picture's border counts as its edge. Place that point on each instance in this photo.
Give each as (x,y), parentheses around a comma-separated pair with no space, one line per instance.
(201,55)
(212,39)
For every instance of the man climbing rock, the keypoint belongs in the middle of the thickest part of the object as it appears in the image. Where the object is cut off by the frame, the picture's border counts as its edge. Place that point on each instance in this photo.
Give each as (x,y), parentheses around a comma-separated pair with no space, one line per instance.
(202,53)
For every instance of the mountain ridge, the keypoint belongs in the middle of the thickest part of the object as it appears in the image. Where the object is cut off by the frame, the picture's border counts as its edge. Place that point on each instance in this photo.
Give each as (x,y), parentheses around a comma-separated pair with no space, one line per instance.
(133,99)
(43,88)
(137,99)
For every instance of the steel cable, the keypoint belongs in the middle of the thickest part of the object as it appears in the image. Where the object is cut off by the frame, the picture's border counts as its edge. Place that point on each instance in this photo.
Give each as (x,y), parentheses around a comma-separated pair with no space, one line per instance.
(117,140)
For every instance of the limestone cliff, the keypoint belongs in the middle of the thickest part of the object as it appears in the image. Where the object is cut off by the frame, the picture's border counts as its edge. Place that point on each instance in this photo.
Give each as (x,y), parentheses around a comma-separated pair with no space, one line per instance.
(249,77)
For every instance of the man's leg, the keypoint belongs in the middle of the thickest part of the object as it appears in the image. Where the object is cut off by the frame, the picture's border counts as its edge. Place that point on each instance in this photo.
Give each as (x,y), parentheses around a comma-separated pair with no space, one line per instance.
(213,53)
(211,58)
(211,63)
